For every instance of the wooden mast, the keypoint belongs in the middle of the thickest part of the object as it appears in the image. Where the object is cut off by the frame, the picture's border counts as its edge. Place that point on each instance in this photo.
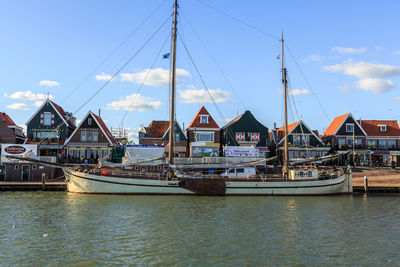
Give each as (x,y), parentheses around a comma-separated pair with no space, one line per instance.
(285,169)
(172,104)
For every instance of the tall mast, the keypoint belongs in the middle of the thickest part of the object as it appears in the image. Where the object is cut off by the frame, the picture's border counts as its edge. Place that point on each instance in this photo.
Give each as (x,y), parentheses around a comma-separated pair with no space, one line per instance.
(172,111)
(285,169)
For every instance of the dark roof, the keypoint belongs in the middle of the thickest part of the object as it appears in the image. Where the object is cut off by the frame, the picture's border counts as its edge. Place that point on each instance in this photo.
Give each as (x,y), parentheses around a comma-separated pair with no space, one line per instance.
(371,127)
(195,123)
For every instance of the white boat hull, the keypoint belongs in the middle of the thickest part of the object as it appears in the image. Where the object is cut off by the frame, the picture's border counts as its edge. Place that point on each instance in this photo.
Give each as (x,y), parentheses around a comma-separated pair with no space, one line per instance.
(80,182)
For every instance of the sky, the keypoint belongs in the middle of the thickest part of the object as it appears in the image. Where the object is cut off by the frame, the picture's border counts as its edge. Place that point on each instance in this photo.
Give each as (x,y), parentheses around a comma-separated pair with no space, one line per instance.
(341,56)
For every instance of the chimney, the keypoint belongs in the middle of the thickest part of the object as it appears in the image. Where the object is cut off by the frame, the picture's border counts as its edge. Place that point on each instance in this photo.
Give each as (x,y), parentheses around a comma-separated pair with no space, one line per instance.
(99,112)
(274,125)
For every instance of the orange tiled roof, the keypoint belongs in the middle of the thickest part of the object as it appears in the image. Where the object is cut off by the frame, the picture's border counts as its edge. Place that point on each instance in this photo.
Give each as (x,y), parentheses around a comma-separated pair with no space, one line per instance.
(371,127)
(7,119)
(196,120)
(335,124)
(157,129)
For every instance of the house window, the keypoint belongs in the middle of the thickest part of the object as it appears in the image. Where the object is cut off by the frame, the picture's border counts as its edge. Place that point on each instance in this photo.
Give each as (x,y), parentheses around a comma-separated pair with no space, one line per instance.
(350,127)
(16,167)
(46,135)
(342,141)
(89,136)
(392,143)
(371,143)
(382,128)
(89,121)
(203,119)
(240,136)
(205,137)
(349,141)
(382,144)
(33,167)
(358,142)
(47,119)
(177,137)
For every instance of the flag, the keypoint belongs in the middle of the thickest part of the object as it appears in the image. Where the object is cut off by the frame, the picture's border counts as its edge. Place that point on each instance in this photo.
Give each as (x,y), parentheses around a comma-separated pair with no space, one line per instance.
(278,57)
(166,55)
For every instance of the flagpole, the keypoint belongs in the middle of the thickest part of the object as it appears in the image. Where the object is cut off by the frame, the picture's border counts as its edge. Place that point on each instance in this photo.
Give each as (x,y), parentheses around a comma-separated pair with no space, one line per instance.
(285,168)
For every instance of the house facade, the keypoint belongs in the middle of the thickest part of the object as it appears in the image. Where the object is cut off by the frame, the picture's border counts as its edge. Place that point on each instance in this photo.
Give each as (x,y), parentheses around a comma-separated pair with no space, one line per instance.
(203,135)
(10,133)
(49,127)
(346,134)
(383,141)
(303,143)
(90,141)
(245,131)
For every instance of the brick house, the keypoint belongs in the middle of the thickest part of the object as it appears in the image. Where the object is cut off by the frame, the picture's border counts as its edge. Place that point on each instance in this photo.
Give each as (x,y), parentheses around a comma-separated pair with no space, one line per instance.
(203,135)
(91,140)
(10,133)
(383,141)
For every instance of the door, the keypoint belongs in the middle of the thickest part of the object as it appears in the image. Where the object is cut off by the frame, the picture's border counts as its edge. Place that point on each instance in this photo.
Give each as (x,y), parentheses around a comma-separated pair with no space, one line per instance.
(2,173)
(25,173)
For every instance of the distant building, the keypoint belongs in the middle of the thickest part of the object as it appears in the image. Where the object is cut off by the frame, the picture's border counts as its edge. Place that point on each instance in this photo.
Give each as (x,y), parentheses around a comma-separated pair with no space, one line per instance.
(383,141)
(203,135)
(49,127)
(157,133)
(10,133)
(91,140)
(303,143)
(246,131)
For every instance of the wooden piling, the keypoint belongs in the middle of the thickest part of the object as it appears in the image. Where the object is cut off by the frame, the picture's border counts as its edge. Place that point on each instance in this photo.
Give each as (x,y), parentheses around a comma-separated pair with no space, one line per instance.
(43,181)
(365,184)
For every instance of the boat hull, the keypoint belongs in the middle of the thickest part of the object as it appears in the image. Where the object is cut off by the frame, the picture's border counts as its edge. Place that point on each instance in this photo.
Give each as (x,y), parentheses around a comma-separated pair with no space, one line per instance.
(80,182)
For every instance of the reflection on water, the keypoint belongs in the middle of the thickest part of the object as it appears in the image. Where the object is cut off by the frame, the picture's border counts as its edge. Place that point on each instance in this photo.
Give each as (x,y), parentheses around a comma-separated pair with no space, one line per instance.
(71,229)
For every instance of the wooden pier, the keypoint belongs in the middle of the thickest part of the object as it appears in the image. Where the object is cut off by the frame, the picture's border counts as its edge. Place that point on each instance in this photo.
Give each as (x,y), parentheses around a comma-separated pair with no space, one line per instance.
(33,186)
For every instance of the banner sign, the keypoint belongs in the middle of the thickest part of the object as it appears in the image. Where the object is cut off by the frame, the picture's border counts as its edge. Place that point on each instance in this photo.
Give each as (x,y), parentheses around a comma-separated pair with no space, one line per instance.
(242,152)
(17,151)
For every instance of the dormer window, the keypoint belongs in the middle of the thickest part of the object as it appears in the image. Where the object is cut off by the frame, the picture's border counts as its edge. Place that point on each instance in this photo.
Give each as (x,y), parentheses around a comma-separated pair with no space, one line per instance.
(350,127)
(89,121)
(47,119)
(382,127)
(203,119)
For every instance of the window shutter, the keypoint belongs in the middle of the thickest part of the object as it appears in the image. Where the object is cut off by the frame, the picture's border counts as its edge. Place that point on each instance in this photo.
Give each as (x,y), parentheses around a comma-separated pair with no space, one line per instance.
(41,118)
(52,119)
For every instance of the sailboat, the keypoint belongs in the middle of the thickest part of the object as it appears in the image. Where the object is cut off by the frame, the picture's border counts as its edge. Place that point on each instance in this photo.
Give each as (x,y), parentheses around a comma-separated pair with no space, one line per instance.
(171,179)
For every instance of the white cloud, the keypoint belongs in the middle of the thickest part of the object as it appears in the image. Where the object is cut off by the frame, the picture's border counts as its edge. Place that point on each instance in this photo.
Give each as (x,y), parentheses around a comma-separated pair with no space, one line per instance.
(296,92)
(49,83)
(201,96)
(375,85)
(38,103)
(397,99)
(104,77)
(364,70)
(397,52)
(349,50)
(140,103)
(28,95)
(313,57)
(155,77)
(19,106)
(5,95)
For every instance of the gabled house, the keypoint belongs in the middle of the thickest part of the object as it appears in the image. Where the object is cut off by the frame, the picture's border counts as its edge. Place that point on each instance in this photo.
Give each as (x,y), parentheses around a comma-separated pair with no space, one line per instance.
(383,140)
(10,133)
(203,135)
(245,131)
(157,134)
(346,134)
(302,142)
(49,127)
(90,141)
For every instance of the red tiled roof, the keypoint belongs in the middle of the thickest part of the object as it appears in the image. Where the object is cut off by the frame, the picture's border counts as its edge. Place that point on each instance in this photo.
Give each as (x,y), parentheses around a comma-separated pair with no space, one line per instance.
(157,129)
(371,127)
(316,132)
(104,127)
(281,131)
(196,120)
(232,121)
(63,113)
(335,124)
(7,119)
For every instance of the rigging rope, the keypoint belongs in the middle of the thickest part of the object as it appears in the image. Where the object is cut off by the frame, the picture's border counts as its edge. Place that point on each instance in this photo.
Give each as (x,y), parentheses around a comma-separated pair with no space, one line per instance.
(114,51)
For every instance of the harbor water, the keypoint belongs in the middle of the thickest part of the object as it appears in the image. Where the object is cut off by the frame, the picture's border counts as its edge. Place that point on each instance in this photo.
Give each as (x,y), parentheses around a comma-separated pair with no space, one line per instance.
(58,228)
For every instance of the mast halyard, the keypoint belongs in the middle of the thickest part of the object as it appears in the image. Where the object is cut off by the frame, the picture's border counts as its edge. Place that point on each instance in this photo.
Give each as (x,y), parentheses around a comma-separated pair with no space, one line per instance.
(172,110)
(285,169)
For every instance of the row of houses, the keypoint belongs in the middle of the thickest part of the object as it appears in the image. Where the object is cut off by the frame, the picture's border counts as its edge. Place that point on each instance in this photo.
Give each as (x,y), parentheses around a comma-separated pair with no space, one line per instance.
(58,139)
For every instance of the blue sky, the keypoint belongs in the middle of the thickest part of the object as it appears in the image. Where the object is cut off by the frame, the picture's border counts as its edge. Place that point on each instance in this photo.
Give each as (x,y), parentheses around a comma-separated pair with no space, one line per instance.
(349,52)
